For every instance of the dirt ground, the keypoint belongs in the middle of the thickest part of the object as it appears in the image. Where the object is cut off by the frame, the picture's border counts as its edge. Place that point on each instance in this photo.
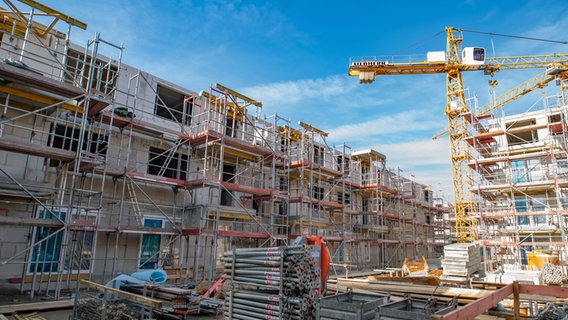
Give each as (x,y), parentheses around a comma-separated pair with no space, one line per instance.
(10,294)
(66,314)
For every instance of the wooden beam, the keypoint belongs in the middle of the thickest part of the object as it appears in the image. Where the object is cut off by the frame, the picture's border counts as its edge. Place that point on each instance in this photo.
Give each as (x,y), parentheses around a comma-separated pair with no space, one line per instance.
(239,95)
(35,306)
(473,309)
(414,288)
(312,128)
(551,291)
(516,301)
(52,12)
(153,303)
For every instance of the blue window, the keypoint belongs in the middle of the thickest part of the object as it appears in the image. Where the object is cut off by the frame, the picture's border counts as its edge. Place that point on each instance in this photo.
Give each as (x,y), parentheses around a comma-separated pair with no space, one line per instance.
(45,256)
(518,171)
(521,206)
(150,251)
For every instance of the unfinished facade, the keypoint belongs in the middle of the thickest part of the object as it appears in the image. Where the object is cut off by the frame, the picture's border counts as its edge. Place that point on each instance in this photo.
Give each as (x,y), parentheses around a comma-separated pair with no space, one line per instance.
(106,169)
(521,180)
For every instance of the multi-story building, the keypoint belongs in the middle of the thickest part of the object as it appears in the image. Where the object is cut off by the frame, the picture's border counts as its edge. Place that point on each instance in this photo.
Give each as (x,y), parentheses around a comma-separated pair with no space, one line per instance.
(521,182)
(106,169)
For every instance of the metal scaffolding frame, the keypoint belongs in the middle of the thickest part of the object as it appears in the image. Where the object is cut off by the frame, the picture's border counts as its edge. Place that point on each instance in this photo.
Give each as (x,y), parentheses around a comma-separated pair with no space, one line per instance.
(107,172)
(521,186)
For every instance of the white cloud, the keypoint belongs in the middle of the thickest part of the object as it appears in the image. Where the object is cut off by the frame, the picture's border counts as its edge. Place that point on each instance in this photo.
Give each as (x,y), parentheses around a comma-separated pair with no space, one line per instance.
(428,161)
(417,153)
(292,92)
(407,121)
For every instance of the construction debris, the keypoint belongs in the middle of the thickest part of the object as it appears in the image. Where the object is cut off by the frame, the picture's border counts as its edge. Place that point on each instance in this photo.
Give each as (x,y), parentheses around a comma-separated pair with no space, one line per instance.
(552,312)
(175,299)
(94,309)
(31,316)
(168,300)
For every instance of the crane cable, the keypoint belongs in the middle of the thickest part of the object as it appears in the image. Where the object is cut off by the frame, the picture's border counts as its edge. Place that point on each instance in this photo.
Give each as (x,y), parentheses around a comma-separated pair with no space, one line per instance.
(419,43)
(518,37)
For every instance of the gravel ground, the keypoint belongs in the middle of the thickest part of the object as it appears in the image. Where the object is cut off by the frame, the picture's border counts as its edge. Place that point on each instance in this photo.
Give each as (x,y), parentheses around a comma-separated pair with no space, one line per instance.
(67,313)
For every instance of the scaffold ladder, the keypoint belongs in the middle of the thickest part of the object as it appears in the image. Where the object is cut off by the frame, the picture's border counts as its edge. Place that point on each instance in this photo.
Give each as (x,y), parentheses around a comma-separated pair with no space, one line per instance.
(134,201)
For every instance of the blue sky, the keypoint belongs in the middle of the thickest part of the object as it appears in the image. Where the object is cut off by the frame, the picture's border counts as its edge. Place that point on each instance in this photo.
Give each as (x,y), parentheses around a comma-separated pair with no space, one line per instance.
(293,56)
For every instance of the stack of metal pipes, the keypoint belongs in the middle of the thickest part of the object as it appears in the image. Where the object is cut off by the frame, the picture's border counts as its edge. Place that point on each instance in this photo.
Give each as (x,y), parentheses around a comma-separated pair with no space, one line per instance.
(271,283)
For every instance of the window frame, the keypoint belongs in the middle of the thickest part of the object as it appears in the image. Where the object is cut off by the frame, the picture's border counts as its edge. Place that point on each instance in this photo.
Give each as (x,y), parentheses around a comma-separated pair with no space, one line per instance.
(155,256)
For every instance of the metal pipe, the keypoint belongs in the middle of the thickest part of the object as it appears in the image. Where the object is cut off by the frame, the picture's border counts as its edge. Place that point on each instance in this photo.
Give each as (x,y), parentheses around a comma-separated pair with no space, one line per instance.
(254,304)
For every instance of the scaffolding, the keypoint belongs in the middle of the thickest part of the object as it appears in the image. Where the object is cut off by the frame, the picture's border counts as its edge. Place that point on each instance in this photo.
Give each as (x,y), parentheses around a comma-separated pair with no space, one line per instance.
(521,185)
(106,169)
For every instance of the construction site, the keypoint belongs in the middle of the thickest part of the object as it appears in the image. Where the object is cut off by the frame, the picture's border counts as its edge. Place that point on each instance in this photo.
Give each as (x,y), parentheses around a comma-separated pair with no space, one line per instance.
(117,185)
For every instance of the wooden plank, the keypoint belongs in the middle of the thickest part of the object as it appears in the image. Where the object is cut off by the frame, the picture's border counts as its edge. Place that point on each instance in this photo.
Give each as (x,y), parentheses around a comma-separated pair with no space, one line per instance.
(551,291)
(473,309)
(125,295)
(36,306)
(516,301)
(414,288)
(52,12)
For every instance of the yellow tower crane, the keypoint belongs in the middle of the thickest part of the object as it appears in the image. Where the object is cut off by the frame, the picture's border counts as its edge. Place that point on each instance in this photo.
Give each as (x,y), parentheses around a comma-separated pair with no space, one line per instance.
(452,62)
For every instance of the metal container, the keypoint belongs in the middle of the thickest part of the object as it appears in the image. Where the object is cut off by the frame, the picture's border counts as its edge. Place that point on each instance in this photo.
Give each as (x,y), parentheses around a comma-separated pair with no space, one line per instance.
(414,309)
(349,305)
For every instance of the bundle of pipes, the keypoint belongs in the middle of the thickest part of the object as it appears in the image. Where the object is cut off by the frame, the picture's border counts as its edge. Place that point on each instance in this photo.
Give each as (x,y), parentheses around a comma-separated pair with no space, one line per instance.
(271,283)
(551,274)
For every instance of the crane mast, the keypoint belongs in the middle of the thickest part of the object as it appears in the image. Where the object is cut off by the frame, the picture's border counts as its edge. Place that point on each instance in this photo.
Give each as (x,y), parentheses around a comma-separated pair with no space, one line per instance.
(455,61)
(456,107)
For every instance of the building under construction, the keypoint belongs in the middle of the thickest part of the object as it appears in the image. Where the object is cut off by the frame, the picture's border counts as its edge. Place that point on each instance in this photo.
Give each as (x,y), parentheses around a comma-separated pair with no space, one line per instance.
(106,169)
(520,169)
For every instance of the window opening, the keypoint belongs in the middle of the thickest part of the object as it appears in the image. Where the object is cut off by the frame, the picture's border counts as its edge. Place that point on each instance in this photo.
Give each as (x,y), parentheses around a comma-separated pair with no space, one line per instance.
(528,136)
(45,256)
(318,155)
(67,138)
(150,249)
(176,163)
(521,207)
(228,176)
(105,75)
(170,105)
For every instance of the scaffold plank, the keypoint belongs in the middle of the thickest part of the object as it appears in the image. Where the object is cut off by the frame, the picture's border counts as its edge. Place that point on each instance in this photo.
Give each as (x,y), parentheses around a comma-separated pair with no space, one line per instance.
(39,81)
(35,149)
(26,222)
